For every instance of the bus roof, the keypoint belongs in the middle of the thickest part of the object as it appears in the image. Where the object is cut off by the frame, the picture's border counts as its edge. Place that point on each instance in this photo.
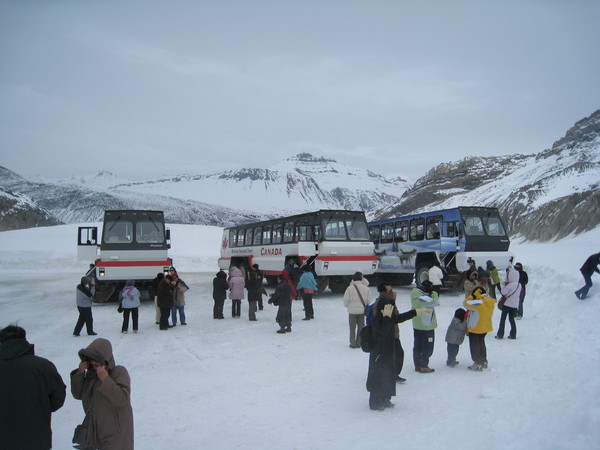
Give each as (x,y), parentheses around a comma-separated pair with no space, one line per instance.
(460,209)
(299,216)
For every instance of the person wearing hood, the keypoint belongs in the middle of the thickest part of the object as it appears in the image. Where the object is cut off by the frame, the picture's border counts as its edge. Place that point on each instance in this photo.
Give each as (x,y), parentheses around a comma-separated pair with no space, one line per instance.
(455,335)
(220,287)
(480,308)
(31,389)
(179,290)
(424,326)
(511,291)
(105,393)
(357,298)
(130,302)
(523,280)
(84,293)
(236,291)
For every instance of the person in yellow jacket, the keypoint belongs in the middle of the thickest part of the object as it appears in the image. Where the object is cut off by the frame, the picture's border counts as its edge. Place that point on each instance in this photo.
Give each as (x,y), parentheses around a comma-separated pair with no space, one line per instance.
(480,308)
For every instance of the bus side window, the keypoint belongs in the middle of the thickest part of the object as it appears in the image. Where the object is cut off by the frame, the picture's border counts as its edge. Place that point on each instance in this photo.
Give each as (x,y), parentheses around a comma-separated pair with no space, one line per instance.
(417,229)
(387,233)
(288,232)
(266,235)
(257,236)
(277,233)
(232,238)
(375,232)
(433,227)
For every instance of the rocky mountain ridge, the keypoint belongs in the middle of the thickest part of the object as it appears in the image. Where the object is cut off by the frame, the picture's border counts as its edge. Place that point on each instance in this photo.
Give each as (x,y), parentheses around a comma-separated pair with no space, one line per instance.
(543,196)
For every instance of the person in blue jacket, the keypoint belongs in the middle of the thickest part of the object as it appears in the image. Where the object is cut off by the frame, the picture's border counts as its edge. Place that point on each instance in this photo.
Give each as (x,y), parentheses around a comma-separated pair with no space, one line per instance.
(307,285)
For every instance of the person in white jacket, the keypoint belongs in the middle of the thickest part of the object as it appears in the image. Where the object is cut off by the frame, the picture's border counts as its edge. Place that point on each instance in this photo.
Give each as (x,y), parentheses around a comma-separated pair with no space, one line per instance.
(511,290)
(436,277)
(356,298)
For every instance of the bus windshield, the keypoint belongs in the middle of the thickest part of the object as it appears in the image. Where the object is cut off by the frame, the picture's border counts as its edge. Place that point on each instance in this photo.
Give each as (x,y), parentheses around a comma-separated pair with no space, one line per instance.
(344,228)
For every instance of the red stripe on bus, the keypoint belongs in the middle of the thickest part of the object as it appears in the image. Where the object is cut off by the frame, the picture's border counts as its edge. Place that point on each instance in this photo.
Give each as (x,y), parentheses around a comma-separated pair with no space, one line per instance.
(347,258)
(167,262)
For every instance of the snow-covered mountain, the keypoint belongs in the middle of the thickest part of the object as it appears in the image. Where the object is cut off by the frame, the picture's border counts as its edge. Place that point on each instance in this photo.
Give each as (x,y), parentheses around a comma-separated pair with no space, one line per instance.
(301,183)
(542,196)
(19,211)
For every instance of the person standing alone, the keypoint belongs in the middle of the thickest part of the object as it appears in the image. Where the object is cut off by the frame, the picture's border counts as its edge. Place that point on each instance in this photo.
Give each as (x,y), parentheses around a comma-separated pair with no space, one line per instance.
(587,270)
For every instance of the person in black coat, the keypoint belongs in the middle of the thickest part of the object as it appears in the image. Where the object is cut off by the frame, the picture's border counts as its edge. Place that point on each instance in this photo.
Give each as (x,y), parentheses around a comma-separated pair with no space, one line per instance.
(254,286)
(31,389)
(381,378)
(282,297)
(220,287)
(587,270)
(164,300)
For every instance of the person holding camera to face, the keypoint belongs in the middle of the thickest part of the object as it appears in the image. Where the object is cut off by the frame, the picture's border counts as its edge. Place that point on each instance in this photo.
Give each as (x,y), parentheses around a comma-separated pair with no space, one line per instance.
(84,294)
(104,390)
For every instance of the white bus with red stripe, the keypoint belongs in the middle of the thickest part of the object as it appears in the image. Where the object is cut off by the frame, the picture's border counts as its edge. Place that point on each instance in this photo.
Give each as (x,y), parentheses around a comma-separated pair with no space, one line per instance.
(334,243)
(134,246)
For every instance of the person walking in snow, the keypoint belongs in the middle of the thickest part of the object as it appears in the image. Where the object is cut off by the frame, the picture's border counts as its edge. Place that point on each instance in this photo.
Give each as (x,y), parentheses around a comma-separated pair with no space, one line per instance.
(236,291)
(587,270)
(282,298)
(455,336)
(356,298)
(523,280)
(220,287)
(480,308)
(424,326)
(307,286)
(130,302)
(511,291)
(84,293)
(105,393)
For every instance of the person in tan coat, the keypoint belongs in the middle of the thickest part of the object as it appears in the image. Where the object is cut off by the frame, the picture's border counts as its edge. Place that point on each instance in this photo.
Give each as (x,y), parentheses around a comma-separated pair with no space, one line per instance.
(104,390)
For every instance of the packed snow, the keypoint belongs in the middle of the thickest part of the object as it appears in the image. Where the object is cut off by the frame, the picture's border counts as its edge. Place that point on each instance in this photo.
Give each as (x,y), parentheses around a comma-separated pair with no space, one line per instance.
(237,384)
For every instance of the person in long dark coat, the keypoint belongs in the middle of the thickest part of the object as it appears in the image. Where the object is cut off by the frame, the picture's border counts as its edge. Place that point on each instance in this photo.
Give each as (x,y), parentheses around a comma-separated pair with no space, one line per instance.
(31,389)
(220,287)
(381,378)
(165,300)
(282,297)
(254,286)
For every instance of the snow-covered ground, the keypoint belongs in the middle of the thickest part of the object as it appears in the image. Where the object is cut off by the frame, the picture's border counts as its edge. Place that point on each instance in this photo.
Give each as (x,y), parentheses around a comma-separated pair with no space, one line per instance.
(237,384)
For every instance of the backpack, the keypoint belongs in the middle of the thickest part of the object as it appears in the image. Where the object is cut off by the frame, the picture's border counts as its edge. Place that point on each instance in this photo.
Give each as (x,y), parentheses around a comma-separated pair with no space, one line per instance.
(365,336)
(369,313)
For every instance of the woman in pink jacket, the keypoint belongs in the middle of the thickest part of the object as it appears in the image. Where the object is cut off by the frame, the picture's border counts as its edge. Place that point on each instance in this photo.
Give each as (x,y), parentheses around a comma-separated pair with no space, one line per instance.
(511,290)
(236,291)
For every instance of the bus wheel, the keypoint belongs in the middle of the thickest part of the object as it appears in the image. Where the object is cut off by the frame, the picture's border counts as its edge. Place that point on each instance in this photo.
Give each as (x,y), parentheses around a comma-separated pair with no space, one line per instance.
(403,279)
(338,285)
(421,275)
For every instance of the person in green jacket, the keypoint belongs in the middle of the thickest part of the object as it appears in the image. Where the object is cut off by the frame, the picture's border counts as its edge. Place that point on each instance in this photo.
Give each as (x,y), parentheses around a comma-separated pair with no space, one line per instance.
(494,278)
(424,326)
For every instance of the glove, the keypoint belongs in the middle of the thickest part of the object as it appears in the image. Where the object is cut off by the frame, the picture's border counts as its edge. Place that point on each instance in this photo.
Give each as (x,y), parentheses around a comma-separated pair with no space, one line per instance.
(423,311)
(387,310)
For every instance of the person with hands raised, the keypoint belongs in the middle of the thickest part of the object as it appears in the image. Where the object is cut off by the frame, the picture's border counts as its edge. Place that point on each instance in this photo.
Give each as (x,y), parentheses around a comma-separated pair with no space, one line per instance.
(381,378)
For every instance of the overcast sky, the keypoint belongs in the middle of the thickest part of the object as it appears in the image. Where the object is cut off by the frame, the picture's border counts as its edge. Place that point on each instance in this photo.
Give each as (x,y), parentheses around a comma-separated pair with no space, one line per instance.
(150,88)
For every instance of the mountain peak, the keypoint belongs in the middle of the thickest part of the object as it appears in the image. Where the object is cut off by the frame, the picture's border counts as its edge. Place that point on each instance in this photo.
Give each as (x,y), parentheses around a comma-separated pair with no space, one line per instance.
(309,158)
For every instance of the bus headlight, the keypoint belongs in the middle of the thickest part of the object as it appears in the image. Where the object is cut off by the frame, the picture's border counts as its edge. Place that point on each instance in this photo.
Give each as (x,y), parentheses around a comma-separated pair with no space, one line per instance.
(374,266)
(326,265)
(101,271)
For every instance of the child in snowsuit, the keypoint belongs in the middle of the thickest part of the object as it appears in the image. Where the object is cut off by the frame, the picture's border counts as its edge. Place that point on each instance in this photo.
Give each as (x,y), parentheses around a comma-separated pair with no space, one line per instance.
(455,335)
(479,323)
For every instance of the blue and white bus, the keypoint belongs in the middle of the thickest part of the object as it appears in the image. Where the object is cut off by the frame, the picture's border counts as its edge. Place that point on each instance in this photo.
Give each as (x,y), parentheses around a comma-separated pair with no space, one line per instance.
(408,246)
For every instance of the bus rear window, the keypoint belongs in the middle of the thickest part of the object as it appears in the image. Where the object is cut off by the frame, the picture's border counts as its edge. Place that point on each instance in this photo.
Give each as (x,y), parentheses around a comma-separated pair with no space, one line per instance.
(494,227)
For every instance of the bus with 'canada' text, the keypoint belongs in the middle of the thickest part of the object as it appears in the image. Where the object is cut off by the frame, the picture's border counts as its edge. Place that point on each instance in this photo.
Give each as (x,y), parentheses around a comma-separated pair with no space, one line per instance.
(334,243)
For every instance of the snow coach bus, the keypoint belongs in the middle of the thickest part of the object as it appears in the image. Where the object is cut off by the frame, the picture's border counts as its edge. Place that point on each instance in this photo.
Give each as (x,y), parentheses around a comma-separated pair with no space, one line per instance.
(408,246)
(334,243)
(134,246)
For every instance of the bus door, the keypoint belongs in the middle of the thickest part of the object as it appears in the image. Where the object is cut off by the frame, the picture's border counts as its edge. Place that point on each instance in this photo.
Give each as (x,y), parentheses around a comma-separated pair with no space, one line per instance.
(87,238)
(450,239)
